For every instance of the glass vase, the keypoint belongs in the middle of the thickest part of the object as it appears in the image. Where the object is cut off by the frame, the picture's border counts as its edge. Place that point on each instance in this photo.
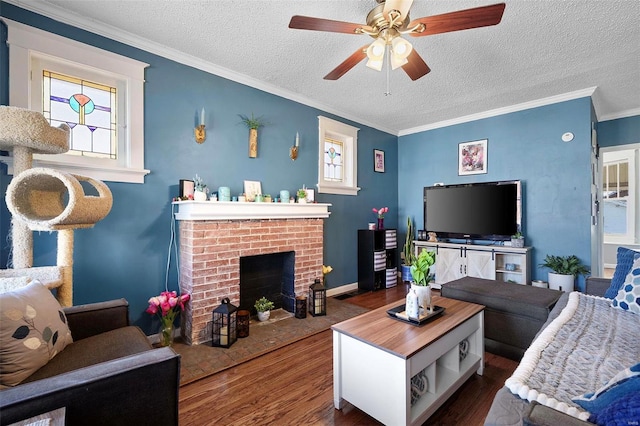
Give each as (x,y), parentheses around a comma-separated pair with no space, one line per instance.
(380,223)
(166,333)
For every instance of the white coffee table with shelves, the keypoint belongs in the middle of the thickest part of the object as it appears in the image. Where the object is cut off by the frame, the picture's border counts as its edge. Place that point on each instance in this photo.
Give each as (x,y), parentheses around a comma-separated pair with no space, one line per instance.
(375,358)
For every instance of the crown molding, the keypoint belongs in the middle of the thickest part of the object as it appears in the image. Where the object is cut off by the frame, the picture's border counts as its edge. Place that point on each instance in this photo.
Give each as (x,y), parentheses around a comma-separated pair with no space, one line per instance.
(133,40)
(583,93)
(621,114)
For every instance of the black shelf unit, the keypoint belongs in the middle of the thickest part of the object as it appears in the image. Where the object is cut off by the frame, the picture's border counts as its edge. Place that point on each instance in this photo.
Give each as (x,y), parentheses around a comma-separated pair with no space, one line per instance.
(377,259)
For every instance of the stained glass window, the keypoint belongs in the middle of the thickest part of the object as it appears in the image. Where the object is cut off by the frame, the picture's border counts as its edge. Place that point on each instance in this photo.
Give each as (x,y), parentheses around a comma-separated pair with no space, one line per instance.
(333,156)
(88,108)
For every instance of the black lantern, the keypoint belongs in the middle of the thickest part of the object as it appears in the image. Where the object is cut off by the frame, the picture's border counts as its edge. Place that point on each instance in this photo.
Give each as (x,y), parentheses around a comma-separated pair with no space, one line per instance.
(223,329)
(317,299)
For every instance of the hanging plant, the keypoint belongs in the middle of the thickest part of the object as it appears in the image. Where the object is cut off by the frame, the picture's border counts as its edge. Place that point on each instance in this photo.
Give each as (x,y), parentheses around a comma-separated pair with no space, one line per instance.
(253,124)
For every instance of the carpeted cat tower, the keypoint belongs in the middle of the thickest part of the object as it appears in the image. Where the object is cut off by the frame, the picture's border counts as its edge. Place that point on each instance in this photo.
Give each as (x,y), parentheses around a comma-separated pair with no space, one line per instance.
(43,199)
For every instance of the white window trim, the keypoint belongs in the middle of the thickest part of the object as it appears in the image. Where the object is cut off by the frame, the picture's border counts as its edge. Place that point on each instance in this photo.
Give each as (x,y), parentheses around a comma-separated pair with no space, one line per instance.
(349,135)
(26,42)
(633,157)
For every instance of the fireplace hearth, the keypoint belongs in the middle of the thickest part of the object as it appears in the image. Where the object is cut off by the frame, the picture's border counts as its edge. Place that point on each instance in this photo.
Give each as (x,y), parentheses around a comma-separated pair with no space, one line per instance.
(215,236)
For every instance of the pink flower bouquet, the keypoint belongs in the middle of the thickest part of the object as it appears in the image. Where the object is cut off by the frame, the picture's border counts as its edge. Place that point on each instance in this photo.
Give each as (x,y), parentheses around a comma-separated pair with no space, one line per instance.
(381,212)
(167,305)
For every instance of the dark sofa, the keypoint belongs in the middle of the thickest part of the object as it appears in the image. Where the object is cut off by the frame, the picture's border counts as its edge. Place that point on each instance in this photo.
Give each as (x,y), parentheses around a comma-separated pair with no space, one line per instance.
(109,375)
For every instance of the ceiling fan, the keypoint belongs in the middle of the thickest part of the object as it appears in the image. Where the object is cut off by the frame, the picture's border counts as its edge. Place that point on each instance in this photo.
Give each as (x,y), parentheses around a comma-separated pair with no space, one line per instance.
(387,22)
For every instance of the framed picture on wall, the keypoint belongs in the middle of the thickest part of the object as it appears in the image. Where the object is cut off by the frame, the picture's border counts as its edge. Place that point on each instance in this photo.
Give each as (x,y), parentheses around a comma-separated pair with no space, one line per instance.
(378,161)
(472,157)
(252,188)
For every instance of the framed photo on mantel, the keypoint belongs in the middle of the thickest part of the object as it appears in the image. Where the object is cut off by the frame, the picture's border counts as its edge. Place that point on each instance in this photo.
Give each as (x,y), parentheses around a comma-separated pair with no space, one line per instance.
(472,157)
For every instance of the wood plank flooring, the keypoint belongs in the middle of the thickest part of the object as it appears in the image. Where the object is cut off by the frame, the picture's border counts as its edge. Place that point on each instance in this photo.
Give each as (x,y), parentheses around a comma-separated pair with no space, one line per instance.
(294,386)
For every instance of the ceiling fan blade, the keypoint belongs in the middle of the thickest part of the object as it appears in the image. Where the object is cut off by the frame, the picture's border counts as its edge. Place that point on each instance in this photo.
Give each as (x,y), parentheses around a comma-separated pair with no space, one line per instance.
(401,6)
(461,20)
(318,24)
(349,63)
(416,67)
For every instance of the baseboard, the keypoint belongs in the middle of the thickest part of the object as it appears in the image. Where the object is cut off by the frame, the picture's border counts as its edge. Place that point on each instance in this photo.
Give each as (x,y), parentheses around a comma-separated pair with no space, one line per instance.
(342,289)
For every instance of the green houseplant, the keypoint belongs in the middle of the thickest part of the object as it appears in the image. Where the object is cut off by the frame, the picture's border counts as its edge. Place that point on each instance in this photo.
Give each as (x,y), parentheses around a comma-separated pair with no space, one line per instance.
(263,306)
(565,269)
(302,196)
(517,240)
(253,124)
(422,277)
(408,251)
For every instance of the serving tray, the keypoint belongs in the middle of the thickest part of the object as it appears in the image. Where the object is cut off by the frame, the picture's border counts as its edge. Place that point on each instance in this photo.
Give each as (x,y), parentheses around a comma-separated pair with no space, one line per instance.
(399,313)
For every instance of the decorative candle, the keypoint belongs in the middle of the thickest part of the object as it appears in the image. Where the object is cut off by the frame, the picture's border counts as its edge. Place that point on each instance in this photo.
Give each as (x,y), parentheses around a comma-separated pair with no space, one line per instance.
(223,335)
(297,139)
(318,306)
(202,117)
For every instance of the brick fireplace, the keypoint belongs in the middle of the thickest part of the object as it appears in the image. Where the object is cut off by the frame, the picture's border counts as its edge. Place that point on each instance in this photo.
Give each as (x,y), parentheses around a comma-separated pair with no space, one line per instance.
(214,235)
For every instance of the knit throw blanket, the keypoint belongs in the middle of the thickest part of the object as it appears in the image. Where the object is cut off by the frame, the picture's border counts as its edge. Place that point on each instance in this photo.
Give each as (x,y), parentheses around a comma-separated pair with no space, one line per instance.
(578,352)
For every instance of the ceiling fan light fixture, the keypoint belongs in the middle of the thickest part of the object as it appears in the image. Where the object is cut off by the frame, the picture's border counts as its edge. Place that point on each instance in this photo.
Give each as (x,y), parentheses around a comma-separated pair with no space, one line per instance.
(375,64)
(375,51)
(401,47)
(396,61)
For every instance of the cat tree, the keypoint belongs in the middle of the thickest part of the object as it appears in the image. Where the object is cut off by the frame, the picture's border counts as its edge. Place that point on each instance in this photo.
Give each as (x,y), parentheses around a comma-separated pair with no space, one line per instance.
(43,199)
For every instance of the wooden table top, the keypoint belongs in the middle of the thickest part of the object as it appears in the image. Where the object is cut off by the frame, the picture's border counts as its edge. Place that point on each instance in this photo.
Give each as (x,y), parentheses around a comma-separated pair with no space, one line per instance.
(400,338)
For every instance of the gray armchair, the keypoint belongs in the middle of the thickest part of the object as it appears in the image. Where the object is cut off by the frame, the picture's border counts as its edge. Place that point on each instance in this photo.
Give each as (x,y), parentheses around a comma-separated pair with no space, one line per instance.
(109,375)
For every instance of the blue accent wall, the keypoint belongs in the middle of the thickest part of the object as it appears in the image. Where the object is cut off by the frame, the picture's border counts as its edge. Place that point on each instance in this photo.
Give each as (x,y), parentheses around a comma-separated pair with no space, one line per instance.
(125,255)
(524,145)
(621,131)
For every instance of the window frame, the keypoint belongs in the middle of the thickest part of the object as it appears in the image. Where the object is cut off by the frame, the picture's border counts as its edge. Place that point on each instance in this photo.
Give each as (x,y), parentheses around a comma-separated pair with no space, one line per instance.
(631,156)
(28,45)
(348,135)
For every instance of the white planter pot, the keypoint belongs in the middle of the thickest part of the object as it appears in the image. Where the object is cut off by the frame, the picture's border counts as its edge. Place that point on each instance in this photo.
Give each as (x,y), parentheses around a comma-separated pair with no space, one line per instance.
(424,296)
(263,316)
(561,282)
(199,196)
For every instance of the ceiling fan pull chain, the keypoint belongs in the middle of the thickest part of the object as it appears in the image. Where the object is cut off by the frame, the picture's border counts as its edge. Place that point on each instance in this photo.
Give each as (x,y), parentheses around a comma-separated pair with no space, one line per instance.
(387,53)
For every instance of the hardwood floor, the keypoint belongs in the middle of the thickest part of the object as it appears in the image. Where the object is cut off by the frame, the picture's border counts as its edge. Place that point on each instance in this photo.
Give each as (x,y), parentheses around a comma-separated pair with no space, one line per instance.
(294,385)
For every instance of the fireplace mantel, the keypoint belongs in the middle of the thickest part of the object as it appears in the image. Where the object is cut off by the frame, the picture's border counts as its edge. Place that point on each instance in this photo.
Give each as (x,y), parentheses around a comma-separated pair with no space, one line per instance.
(230,210)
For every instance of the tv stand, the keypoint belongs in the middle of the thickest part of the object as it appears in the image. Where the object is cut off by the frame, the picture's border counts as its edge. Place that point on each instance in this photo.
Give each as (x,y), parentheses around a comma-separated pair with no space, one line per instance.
(493,262)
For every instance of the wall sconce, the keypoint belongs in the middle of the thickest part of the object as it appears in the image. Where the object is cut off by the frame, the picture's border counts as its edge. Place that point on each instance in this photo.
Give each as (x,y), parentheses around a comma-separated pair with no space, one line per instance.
(200,132)
(293,151)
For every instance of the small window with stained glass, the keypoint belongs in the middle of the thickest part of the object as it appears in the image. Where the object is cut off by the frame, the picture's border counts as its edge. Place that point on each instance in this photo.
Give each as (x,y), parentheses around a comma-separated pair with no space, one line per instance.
(333,160)
(89,108)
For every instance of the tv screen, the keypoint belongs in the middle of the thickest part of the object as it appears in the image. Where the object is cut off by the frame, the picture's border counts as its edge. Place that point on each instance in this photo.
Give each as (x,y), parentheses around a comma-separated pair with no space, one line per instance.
(488,210)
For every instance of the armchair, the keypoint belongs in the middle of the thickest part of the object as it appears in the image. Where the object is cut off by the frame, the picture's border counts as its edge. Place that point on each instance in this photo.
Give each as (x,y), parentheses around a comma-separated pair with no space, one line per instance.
(109,375)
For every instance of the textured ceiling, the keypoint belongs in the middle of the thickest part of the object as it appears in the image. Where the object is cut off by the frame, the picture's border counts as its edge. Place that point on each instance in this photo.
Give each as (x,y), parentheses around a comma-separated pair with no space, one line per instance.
(541,49)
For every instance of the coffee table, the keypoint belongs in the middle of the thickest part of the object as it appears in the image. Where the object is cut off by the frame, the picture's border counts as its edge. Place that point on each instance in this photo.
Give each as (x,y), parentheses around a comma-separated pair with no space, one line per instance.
(375,358)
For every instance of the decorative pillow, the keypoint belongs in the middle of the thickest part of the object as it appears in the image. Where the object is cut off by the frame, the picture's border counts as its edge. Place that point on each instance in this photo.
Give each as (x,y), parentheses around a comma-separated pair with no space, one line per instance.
(617,402)
(33,329)
(628,297)
(625,259)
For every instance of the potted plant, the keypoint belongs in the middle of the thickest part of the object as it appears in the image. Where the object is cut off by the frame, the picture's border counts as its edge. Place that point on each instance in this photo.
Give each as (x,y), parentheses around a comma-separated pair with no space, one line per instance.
(517,240)
(253,124)
(421,277)
(263,306)
(199,189)
(408,251)
(565,269)
(302,196)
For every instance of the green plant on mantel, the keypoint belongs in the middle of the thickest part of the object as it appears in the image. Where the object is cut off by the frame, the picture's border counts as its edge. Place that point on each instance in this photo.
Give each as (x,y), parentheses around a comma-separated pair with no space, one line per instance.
(253,122)
(263,304)
(565,265)
(408,250)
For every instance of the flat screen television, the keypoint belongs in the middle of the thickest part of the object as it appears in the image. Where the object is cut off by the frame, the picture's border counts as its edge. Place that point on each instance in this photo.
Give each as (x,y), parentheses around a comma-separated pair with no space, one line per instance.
(477,211)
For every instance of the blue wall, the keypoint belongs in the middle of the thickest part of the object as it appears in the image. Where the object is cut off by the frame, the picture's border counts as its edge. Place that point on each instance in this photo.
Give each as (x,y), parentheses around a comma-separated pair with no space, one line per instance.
(523,145)
(125,254)
(622,131)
